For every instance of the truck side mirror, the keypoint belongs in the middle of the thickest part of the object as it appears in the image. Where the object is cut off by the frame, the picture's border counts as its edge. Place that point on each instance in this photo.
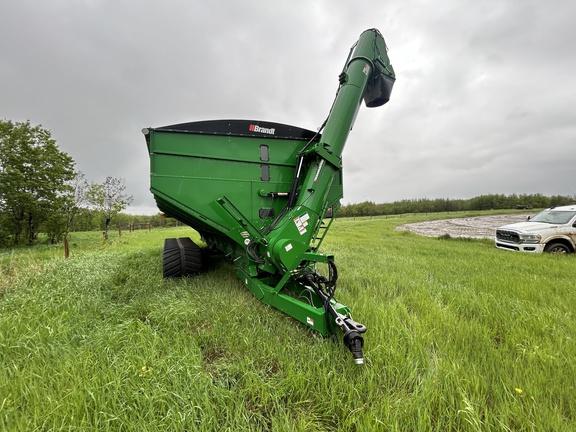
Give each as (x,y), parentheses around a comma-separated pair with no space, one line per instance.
(528,218)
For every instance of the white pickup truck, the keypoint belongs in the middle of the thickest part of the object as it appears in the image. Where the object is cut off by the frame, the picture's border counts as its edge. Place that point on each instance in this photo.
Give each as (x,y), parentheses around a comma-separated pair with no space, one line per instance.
(552,230)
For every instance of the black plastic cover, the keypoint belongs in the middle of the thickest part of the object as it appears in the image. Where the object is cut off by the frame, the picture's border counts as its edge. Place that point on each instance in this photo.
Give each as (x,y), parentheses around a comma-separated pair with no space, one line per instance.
(252,128)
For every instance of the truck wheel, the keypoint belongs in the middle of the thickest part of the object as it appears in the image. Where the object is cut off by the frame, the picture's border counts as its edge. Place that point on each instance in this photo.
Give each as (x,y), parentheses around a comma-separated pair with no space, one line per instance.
(557,248)
(180,257)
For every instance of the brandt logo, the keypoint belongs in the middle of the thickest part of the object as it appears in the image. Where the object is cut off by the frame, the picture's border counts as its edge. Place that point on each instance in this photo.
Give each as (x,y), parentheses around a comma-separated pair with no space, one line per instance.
(256,128)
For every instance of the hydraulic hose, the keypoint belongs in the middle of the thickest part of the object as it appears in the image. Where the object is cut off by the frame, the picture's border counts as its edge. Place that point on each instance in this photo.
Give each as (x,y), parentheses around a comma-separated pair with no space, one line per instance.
(325,289)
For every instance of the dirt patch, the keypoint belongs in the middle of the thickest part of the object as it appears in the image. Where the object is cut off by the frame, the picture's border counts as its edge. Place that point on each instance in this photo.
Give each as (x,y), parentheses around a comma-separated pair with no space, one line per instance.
(471,227)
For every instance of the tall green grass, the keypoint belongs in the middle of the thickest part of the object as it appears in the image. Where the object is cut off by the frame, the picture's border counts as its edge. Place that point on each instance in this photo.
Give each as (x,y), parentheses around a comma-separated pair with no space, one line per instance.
(461,337)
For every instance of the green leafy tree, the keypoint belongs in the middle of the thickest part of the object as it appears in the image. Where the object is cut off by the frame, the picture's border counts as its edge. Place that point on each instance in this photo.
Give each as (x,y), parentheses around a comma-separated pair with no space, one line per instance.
(87,219)
(108,199)
(33,178)
(5,233)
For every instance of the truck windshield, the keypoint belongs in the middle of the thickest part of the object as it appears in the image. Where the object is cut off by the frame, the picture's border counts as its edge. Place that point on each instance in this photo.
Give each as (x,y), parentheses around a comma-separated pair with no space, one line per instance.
(554,217)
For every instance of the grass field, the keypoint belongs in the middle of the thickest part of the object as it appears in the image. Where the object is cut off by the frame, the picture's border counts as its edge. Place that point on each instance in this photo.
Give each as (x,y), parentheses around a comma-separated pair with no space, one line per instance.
(461,337)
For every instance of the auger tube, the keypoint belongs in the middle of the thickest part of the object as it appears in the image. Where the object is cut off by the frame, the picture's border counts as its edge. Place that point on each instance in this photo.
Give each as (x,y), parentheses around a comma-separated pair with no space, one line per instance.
(367,75)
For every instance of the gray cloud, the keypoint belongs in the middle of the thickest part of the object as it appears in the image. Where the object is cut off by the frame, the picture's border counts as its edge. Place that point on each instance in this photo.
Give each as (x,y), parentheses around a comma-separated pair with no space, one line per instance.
(483,101)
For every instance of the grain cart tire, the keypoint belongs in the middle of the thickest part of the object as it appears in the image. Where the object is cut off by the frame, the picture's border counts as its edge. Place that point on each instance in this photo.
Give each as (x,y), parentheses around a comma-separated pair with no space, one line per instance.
(171,260)
(557,248)
(193,259)
(180,257)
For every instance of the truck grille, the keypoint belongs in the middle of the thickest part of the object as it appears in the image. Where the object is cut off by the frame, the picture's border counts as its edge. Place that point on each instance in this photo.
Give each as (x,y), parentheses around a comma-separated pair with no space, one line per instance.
(507,236)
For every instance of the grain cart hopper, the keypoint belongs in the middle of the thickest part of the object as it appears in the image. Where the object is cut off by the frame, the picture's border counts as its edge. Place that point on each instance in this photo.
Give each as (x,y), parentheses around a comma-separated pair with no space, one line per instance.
(264,194)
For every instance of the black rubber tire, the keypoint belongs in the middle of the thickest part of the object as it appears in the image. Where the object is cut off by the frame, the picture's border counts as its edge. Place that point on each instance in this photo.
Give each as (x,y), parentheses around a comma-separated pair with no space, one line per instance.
(181,257)
(193,261)
(171,262)
(557,248)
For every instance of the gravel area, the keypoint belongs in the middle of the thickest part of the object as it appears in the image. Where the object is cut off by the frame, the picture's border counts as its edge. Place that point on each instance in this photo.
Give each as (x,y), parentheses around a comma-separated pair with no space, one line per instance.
(472,227)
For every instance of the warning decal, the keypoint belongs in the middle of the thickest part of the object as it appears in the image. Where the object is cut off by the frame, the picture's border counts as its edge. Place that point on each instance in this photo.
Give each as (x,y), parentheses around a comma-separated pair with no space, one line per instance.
(302,222)
(366,69)
(320,165)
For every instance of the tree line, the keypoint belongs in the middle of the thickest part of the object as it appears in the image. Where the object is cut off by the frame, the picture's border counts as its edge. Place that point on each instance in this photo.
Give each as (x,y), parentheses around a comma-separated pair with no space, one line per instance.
(91,220)
(439,205)
(40,191)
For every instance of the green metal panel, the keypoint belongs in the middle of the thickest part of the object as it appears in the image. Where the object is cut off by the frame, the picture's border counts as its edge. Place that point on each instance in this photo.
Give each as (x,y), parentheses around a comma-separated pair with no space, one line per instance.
(194,170)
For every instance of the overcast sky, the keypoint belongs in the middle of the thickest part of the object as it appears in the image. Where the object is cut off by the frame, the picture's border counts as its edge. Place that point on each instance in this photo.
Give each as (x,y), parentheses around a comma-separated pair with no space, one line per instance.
(484,102)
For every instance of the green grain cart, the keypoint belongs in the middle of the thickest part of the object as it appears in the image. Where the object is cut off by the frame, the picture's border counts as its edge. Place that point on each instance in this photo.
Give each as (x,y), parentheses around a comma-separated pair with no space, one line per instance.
(264,195)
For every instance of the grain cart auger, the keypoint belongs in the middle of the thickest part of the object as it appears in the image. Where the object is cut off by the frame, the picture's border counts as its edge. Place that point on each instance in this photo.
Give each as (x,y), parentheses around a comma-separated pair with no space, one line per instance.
(264,194)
